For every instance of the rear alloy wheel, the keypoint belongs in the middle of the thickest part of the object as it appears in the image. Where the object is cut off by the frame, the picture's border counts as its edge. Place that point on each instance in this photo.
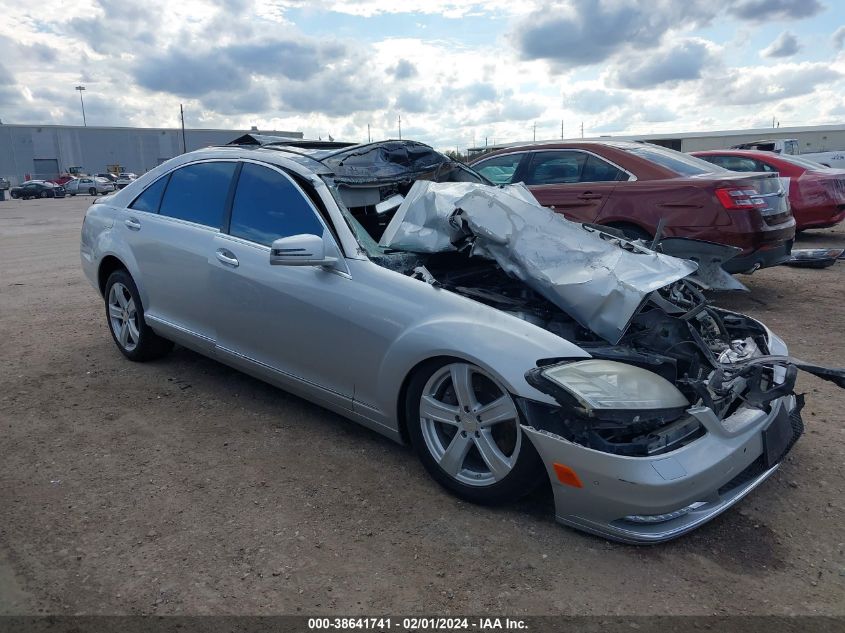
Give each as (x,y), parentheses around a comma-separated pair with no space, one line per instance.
(92,191)
(125,315)
(466,430)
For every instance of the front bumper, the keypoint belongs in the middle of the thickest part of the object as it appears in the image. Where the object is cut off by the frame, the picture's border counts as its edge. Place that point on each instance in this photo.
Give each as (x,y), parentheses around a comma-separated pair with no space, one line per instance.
(690,485)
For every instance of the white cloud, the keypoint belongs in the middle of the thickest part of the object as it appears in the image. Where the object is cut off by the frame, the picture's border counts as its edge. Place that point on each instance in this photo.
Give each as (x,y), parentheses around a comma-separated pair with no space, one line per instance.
(786,45)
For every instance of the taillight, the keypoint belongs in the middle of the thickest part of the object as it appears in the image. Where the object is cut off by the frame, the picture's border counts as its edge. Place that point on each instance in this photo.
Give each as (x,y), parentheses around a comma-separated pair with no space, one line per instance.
(740,198)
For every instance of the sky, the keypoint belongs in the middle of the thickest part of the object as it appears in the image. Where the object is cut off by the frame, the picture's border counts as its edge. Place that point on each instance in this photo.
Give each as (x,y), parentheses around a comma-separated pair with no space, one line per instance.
(458,73)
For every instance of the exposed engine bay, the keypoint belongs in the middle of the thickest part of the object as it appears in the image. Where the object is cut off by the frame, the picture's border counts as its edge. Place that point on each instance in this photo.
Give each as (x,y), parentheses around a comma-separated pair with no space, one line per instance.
(616,300)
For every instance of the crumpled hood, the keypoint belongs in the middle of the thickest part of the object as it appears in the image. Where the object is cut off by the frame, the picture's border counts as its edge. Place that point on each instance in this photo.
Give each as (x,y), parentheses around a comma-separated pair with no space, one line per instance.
(599,282)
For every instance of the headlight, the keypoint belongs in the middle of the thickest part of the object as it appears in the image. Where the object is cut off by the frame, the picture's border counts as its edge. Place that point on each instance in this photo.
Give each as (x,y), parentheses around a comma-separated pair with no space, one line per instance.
(607,384)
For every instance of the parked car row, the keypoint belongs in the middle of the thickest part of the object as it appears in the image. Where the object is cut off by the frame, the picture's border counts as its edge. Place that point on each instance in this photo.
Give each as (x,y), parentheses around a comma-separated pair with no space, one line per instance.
(47,189)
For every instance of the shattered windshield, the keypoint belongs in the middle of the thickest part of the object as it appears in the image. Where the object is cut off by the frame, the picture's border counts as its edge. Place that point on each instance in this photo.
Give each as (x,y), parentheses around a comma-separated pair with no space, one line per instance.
(369,183)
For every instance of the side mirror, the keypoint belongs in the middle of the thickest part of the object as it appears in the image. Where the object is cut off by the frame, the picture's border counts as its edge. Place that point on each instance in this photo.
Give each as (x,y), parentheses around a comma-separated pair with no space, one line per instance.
(300,250)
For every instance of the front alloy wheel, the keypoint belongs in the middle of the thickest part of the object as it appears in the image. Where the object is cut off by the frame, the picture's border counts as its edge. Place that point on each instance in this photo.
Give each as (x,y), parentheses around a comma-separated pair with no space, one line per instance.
(466,429)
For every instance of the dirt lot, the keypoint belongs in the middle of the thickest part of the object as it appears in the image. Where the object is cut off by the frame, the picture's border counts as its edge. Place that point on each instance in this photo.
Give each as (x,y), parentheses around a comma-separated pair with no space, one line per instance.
(182,486)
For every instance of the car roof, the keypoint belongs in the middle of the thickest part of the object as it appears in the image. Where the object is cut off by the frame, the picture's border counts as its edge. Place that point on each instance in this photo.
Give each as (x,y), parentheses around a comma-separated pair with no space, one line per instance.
(738,152)
(565,144)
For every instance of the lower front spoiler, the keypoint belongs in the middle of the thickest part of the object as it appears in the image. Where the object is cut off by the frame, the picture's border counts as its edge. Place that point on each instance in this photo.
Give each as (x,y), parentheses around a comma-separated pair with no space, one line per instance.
(643,534)
(640,500)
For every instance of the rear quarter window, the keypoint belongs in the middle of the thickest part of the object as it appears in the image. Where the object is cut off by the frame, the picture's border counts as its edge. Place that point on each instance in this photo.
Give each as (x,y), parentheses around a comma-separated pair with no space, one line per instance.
(150,199)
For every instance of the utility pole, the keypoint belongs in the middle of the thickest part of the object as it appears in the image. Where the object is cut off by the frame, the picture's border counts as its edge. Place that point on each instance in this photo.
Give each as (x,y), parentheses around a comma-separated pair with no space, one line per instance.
(369,138)
(535,130)
(400,127)
(82,103)
(582,129)
(182,115)
(561,129)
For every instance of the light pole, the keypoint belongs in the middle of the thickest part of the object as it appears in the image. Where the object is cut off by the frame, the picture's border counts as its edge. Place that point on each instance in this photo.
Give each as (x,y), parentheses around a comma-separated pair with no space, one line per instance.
(82,103)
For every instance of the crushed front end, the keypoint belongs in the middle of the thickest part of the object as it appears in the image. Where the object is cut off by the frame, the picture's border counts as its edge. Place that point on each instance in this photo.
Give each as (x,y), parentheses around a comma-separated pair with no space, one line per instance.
(682,408)
(654,436)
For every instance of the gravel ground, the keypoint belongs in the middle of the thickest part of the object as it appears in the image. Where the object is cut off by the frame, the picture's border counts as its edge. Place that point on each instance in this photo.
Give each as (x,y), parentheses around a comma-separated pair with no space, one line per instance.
(183,486)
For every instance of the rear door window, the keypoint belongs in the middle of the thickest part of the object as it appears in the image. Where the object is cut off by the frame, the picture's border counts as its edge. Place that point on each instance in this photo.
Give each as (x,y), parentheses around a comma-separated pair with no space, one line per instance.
(500,170)
(557,167)
(197,193)
(151,197)
(598,170)
(268,205)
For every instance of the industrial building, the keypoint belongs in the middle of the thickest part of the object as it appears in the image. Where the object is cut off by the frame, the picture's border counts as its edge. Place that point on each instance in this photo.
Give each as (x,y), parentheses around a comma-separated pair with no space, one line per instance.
(45,151)
(812,138)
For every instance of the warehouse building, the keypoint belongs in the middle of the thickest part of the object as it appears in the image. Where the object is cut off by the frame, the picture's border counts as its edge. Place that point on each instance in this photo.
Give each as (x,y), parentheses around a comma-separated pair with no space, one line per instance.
(811,138)
(46,151)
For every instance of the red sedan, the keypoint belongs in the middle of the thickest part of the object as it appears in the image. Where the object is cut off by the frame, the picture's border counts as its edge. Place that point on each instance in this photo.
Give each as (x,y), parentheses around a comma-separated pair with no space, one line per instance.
(633,186)
(816,192)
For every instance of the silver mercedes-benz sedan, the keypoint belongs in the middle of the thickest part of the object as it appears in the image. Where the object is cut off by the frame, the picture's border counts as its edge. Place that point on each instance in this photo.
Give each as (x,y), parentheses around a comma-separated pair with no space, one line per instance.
(506,344)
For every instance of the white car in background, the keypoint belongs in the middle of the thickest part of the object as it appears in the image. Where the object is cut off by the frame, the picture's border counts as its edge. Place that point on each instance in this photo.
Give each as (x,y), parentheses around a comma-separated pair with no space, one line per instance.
(125,178)
(89,184)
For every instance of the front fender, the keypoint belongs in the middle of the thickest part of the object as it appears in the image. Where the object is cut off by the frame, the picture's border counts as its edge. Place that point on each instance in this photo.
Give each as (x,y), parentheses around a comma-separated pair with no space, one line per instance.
(503,345)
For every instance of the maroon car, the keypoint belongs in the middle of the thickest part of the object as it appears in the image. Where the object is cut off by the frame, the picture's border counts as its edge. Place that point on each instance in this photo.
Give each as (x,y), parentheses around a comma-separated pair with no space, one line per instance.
(633,186)
(816,192)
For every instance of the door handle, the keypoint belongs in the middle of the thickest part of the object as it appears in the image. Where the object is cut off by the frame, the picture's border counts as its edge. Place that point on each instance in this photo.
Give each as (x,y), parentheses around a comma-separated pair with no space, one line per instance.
(589,195)
(133,224)
(227,257)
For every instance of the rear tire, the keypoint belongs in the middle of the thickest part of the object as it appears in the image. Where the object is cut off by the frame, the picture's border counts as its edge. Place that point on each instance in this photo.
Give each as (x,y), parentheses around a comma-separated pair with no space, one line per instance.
(633,232)
(125,318)
(471,441)
(92,191)
(14,196)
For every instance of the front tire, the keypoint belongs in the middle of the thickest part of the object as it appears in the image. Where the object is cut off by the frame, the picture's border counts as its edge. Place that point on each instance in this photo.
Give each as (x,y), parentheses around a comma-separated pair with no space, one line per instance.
(92,191)
(465,428)
(45,194)
(125,317)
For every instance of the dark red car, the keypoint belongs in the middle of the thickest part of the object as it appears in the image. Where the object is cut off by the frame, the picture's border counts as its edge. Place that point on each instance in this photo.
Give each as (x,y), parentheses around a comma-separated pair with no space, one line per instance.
(632,186)
(816,192)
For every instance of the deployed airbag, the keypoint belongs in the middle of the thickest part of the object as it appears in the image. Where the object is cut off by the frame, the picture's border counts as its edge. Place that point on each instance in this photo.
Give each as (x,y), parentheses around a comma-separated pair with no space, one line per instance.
(599,282)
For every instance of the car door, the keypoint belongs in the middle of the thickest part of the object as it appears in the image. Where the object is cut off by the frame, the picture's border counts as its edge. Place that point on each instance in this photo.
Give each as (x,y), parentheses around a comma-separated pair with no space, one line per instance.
(278,321)
(573,182)
(170,229)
